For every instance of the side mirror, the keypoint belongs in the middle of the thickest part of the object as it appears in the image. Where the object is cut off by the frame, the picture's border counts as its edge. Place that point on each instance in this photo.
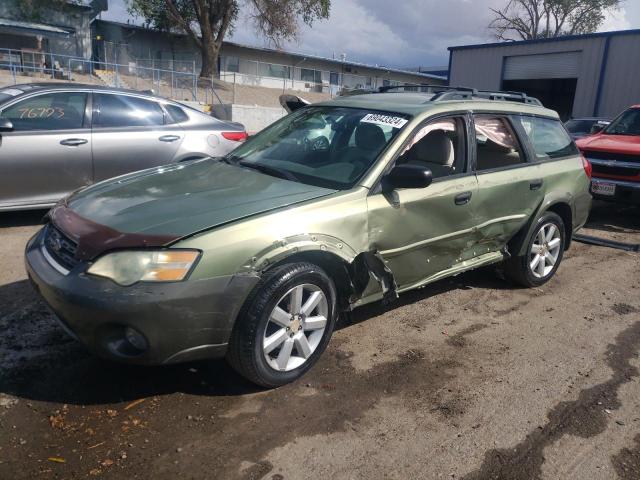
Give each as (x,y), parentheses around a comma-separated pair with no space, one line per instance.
(597,128)
(407,176)
(6,125)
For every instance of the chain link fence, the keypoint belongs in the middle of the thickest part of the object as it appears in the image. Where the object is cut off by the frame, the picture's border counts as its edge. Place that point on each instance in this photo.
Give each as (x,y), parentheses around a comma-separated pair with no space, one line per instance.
(255,83)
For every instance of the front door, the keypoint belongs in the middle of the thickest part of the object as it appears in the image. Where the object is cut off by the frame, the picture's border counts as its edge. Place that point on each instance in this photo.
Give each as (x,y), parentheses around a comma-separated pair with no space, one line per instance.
(48,153)
(130,133)
(422,232)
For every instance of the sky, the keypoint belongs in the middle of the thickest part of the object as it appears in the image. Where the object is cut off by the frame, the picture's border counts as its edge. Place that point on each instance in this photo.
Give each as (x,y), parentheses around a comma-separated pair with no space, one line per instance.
(400,33)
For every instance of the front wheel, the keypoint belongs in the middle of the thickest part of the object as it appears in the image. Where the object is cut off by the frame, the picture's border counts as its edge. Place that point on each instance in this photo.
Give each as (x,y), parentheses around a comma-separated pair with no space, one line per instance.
(284,326)
(545,247)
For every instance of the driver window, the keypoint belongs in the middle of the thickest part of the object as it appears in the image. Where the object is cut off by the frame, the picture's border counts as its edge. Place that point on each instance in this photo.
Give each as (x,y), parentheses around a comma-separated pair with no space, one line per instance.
(49,111)
(438,146)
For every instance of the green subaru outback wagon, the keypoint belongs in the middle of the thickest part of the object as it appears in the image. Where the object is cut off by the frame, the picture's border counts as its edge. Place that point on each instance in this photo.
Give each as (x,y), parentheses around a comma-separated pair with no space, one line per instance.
(253,256)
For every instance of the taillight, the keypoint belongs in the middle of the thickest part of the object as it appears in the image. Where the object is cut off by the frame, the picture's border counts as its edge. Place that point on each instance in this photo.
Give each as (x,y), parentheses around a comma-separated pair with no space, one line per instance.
(588,169)
(235,136)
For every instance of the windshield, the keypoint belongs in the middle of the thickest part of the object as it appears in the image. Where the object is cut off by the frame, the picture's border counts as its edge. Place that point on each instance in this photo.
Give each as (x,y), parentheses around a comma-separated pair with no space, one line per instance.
(626,124)
(330,147)
(579,126)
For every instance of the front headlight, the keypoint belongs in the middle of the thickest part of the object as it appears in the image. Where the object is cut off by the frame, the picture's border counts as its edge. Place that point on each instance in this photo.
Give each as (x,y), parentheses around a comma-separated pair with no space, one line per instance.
(129,267)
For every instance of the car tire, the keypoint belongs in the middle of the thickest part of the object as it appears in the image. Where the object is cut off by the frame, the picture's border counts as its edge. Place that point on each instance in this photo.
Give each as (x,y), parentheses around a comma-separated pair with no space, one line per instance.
(280,332)
(544,251)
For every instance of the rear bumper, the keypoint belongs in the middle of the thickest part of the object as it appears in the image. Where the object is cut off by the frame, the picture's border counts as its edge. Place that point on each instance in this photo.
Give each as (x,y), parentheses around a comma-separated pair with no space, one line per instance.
(180,321)
(625,191)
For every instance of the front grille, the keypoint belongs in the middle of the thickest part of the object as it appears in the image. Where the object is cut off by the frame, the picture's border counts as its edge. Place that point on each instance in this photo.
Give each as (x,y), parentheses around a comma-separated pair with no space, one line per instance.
(61,247)
(620,171)
(621,157)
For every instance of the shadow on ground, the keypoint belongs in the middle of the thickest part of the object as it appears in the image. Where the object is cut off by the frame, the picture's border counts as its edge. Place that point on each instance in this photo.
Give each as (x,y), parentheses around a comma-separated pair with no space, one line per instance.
(614,218)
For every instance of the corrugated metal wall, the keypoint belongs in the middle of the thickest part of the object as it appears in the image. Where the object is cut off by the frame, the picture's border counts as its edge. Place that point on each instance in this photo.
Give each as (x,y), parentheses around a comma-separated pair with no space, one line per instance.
(548,65)
(621,86)
(482,67)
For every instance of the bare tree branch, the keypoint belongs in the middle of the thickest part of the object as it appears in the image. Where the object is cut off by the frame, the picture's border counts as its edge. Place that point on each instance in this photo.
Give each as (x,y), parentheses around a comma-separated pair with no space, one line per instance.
(530,19)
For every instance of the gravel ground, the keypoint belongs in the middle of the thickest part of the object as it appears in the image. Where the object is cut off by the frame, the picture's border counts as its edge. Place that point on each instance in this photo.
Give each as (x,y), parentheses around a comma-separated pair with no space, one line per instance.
(469,378)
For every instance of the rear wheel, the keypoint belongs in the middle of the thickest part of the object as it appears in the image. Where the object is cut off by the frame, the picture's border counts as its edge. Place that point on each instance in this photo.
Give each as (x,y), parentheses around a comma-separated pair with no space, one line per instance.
(284,325)
(545,247)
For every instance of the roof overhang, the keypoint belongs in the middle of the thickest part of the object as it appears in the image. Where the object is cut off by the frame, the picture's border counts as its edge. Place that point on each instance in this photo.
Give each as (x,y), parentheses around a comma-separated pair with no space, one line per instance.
(563,38)
(33,28)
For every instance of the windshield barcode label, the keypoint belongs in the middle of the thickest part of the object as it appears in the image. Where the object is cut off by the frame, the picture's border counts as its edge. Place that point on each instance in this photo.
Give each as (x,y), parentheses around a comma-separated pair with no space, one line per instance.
(391,121)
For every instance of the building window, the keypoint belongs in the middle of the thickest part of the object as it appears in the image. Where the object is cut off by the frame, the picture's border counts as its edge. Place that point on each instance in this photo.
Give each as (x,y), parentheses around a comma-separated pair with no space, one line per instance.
(272,70)
(386,83)
(312,76)
(334,78)
(232,64)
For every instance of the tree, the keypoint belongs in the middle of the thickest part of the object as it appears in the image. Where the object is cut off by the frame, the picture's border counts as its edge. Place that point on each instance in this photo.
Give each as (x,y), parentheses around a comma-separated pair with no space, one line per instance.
(207,22)
(531,19)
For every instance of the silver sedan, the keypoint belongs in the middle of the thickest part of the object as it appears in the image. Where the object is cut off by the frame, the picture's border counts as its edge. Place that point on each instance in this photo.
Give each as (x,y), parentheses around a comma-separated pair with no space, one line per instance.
(58,137)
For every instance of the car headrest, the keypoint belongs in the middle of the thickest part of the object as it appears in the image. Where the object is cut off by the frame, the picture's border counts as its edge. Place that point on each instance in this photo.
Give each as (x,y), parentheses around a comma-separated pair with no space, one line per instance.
(370,137)
(436,147)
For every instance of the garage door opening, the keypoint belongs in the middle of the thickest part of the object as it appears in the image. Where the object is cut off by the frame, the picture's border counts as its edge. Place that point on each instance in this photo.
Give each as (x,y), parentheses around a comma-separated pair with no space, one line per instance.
(555,93)
(550,77)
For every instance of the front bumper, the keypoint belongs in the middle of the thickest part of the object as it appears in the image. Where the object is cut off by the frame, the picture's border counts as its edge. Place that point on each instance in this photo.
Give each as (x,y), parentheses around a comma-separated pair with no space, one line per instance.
(181,321)
(625,191)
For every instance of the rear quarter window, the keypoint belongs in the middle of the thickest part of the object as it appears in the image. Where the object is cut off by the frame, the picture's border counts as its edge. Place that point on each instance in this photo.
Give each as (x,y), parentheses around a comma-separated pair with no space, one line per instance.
(548,137)
(177,114)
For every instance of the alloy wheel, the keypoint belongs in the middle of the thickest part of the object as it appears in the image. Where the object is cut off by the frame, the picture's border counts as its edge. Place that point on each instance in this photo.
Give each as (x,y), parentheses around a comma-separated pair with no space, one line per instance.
(295,327)
(545,250)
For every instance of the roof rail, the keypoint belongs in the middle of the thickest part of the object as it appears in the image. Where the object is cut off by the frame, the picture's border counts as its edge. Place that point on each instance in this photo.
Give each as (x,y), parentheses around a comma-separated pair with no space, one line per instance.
(444,92)
(422,87)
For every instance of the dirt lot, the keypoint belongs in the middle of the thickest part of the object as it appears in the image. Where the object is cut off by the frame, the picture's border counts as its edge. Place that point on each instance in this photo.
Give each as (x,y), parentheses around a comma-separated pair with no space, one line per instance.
(469,378)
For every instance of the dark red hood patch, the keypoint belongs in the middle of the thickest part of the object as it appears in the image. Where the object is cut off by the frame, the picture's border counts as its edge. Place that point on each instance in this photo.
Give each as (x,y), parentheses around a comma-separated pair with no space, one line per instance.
(94,239)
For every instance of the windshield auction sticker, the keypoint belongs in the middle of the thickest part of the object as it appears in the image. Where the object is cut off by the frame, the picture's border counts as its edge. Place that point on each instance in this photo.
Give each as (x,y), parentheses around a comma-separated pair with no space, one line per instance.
(388,120)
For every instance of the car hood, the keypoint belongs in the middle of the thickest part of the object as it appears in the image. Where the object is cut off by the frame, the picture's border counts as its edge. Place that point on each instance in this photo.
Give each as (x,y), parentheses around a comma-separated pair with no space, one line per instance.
(629,144)
(154,207)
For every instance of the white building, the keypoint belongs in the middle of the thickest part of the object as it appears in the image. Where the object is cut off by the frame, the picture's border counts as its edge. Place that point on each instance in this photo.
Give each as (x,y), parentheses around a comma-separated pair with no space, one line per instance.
(124,43)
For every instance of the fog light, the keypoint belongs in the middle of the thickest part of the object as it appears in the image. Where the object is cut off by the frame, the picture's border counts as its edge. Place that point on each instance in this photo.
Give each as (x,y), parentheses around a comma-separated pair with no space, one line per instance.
(136,339)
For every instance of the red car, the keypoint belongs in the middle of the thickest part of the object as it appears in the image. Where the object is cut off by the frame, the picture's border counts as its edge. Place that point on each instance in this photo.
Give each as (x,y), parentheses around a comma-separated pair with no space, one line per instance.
(614,154)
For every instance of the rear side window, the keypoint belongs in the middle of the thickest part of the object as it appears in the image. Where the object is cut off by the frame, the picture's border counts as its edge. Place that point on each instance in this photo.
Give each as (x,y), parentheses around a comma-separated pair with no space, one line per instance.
(177,114)
(126,111)
(549,138)
(50,111)
(496,144)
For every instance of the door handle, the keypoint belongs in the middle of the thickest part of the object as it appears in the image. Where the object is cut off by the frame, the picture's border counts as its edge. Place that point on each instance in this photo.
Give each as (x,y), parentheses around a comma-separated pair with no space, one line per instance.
(463,198)
(73,142)
(536,184)
(169,138)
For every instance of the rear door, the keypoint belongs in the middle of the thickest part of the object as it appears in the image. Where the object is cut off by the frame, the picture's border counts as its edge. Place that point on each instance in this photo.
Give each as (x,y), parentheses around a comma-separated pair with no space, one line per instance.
(48,154)
(511,185)
(130,133)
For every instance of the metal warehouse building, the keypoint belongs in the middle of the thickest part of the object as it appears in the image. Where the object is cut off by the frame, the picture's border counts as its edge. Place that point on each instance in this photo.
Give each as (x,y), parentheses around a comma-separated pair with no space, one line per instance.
(579,76)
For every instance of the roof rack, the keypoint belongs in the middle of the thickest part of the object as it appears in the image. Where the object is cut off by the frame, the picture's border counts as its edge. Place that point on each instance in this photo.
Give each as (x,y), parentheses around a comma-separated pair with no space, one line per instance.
(422,87)
(445,92)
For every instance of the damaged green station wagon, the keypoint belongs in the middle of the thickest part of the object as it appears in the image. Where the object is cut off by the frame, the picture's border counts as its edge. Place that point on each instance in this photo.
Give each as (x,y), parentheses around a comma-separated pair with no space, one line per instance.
(253,256)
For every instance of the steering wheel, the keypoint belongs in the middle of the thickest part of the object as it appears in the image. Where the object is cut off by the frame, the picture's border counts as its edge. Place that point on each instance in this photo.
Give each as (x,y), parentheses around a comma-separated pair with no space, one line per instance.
(318,144)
